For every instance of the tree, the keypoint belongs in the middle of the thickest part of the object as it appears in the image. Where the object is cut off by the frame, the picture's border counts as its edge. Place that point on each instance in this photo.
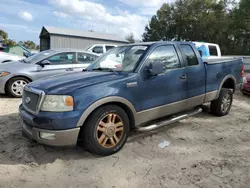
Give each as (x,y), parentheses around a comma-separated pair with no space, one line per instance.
(10,43)
(4,35)
(240,27)
(7,42)
(130,38)
(28,44)
(191,20)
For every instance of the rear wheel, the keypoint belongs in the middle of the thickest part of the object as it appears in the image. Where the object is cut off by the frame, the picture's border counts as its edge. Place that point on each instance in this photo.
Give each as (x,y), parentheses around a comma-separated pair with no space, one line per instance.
(222,105)
(106,130)
(16,85)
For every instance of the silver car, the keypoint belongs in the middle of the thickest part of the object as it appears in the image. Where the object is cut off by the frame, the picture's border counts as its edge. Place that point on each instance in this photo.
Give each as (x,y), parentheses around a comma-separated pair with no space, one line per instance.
(7,57)
(16,74)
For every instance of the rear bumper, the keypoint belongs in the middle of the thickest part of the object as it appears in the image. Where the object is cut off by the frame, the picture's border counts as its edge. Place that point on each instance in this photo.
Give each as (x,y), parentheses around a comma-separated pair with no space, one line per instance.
(60,138)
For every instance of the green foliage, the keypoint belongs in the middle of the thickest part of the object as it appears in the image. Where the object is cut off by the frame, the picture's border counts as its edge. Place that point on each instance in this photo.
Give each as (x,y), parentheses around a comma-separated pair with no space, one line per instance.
(130,38)
(7,41)
(203,20)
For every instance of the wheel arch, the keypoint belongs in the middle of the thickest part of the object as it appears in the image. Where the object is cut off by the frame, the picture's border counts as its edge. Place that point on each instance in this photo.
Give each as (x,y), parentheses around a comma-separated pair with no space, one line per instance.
(228,82)
(16,76)
(114,100)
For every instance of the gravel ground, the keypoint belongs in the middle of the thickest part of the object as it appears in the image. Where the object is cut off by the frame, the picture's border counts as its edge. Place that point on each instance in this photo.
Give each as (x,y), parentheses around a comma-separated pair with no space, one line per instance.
(204,152)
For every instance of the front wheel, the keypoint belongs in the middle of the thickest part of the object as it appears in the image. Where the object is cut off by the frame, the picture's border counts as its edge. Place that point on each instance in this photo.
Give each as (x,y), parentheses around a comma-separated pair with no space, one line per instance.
(222,105)
(106,130)
(16,85)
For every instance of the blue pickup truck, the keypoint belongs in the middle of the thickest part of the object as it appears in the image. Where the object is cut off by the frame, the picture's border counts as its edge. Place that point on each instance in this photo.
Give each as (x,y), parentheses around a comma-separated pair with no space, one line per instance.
(140,86)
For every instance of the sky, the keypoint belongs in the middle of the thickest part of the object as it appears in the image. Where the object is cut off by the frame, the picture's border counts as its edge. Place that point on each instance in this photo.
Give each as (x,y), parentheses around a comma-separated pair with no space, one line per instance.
(24,19)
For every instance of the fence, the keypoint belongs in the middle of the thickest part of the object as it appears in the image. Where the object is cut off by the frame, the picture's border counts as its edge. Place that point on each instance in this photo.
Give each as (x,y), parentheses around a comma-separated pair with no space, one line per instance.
(246,61)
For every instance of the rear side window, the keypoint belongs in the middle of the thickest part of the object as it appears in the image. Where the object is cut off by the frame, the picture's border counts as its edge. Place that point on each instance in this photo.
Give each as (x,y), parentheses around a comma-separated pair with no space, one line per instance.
(109,47)
(190,55)
(213,50)
(98,49)
(62,58)
(84,58)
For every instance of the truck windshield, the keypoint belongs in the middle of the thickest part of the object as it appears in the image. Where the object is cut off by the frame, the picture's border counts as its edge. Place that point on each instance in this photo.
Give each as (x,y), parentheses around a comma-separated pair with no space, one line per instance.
(39,56)
(124,59)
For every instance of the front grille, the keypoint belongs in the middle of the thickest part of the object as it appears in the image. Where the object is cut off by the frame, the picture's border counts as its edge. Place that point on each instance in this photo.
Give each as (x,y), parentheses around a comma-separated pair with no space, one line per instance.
(31,99)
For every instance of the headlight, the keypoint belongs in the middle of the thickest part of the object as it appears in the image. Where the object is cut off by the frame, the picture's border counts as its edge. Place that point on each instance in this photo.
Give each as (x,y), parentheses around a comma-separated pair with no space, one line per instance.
(244,80)
(2,74)
(58,103)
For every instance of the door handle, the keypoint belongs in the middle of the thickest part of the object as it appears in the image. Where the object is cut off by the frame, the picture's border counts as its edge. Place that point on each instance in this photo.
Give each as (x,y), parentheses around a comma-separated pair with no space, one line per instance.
(183,77)
(69,69)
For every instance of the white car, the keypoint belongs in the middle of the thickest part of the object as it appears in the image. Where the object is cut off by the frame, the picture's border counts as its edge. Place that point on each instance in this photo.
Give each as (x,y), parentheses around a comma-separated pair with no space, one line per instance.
(6,57)
(100,48)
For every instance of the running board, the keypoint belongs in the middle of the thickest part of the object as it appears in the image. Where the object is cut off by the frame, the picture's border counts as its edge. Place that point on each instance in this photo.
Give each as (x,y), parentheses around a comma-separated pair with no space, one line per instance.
(169,121)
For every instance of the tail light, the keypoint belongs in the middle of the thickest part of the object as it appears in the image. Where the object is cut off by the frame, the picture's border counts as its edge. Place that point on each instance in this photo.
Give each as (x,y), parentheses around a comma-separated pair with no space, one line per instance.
(242,71)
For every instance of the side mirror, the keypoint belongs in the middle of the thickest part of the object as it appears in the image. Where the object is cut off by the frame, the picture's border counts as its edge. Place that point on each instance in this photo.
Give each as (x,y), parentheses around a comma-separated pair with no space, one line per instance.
(45,62)
(155,68)
(201,53)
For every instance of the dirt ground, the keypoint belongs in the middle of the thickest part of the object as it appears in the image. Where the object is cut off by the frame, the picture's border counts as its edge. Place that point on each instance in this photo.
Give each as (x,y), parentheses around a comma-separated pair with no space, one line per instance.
(204,152)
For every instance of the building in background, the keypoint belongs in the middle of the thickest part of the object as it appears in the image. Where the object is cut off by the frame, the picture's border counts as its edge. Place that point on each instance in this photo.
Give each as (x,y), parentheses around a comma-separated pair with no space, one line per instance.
(51,37)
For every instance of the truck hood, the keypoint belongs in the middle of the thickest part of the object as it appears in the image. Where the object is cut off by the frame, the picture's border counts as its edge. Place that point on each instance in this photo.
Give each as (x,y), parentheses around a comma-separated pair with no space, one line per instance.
(67,83)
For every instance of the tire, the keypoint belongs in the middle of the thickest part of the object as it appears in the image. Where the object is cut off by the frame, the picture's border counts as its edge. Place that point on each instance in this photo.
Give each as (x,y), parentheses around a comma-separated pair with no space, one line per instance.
(93,130)
(222,105)
(13,83)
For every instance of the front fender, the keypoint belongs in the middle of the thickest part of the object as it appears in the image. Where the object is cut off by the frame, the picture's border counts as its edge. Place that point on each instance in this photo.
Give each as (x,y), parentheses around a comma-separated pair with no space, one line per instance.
(104,101)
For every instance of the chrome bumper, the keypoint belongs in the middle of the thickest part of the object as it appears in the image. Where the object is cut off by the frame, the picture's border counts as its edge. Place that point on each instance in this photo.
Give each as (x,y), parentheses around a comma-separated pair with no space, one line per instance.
(61,137)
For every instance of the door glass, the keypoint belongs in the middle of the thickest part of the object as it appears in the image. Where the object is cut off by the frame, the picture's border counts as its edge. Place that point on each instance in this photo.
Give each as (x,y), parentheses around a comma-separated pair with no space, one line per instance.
(165,54)
(109,47)
(98,49)
(62,58)
(190,55)
(84,58)
(213,50)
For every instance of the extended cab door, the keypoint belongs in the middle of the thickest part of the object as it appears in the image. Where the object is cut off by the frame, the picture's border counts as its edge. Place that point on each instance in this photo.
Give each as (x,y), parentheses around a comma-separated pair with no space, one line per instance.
(166,93)
(196,75)
(61,63)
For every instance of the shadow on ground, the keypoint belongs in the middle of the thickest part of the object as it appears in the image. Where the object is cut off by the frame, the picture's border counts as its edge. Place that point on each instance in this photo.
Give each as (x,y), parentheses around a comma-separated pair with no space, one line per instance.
(18,149)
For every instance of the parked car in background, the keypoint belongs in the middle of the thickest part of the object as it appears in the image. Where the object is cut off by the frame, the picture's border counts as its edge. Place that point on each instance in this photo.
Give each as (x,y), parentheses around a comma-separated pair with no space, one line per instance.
(245,88)
(100,48)
(7,57)
(99,107)
(17,74)
(209,50)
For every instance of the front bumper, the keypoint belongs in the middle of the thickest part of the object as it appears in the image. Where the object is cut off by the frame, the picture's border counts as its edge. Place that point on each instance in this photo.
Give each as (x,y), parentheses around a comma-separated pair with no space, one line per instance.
(245,88)
(61,138)
(3,81)
(66,137)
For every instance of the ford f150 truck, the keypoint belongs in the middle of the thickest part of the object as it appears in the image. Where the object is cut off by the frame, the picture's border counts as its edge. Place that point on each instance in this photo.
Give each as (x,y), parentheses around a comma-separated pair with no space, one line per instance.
(152,81)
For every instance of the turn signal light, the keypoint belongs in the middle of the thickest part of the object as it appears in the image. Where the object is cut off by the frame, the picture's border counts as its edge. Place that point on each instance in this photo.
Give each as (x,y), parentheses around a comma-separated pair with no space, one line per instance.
(69,101)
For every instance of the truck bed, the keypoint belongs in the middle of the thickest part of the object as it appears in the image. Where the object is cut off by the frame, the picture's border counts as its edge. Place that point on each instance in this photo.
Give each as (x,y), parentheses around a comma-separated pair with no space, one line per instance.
(221,60)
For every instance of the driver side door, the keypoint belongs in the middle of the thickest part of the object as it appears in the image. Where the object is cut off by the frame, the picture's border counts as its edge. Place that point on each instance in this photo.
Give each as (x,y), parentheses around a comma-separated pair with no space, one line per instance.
(166,93)
(61,63)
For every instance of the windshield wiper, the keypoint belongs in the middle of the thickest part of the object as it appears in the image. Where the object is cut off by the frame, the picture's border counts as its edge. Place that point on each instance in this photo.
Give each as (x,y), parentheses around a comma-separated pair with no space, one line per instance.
(103,69)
